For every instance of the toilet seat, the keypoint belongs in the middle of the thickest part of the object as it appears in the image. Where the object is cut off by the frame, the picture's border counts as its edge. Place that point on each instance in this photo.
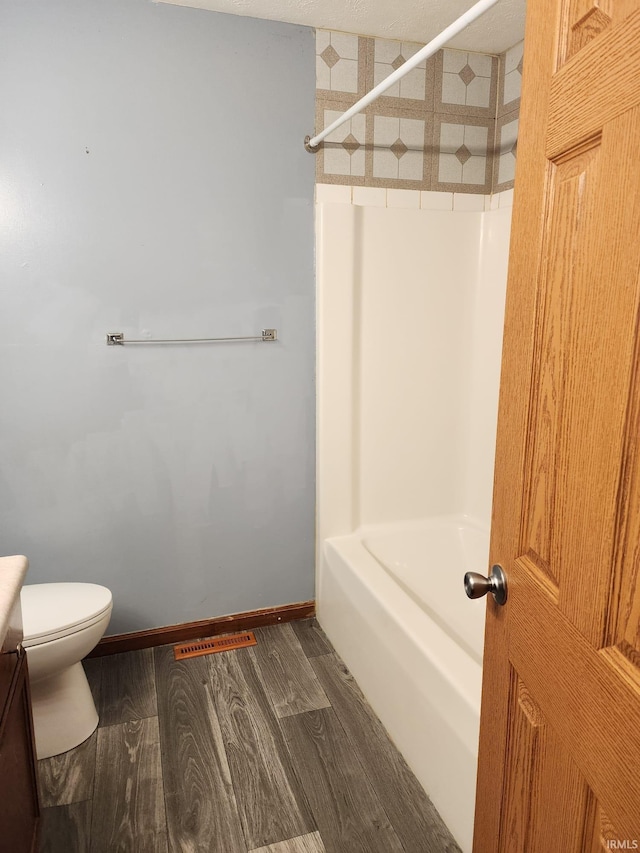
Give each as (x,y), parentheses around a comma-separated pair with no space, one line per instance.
(51,611)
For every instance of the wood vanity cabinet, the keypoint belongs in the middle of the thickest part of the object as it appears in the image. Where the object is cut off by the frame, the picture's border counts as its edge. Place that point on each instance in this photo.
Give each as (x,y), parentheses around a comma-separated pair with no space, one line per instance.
(19,810)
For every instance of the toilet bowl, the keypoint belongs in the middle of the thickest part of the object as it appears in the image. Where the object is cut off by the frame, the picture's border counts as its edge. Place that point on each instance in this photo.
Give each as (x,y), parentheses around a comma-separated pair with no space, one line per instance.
(62,623)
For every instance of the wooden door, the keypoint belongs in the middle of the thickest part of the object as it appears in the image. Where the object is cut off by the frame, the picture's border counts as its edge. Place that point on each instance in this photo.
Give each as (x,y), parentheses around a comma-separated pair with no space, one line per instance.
(559,766)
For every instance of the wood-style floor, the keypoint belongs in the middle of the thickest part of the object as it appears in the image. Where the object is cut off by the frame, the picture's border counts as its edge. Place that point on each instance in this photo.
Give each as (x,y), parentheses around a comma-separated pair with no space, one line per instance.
(269,749)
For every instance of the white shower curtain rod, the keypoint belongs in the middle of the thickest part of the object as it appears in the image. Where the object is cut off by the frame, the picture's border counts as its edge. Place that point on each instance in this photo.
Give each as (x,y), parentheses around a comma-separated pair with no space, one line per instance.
(312,143)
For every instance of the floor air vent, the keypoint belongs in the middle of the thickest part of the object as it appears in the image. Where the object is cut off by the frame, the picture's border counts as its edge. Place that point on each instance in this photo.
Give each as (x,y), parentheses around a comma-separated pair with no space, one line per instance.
(215,644)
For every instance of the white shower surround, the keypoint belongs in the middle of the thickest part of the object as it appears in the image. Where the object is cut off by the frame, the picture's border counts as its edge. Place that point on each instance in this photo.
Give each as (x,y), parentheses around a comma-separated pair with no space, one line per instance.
(410,313)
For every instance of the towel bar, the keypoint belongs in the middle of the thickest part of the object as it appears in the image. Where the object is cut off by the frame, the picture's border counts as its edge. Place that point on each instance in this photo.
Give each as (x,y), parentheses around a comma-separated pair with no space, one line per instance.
(117,339)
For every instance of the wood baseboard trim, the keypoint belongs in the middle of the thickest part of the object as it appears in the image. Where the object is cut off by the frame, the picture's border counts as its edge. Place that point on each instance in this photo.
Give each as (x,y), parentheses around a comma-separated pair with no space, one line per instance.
(204,628)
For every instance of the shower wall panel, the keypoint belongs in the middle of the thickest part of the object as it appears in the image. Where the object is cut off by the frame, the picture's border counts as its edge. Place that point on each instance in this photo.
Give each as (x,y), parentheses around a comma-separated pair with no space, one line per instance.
(415,298)
(410,314)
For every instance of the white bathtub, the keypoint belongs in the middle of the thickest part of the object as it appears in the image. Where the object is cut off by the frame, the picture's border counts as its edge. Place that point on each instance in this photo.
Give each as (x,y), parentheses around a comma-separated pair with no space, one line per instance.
(409,342)
(391,599)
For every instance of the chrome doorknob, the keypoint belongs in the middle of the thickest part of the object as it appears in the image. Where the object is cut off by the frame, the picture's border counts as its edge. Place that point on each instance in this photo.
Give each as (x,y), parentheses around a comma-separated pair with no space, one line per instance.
(476,585)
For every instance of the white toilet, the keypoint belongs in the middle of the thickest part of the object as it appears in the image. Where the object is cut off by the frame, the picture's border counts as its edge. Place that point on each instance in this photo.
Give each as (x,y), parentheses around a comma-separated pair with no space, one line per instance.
(62,622)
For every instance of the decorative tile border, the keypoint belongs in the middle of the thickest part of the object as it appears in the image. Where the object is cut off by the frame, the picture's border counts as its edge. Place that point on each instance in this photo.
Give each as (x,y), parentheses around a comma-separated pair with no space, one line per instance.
(446,126)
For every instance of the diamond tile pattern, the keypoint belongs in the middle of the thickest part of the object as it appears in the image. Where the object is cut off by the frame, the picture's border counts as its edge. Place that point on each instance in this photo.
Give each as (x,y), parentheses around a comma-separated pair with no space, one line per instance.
(436,129)
(511,82)
(330,56)
(466,80)
(463,154)
(467,74)
(337,60)
(387,57)
(399,148)
(350,144)
(343,150)
(507,144)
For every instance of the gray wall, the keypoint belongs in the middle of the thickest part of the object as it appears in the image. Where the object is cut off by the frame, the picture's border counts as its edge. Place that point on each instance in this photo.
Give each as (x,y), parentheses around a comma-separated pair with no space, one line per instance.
(154,181)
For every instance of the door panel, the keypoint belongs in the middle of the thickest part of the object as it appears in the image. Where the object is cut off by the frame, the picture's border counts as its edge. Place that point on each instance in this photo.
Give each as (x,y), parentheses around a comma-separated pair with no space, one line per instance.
(543,821)
(560,729)
(586,19)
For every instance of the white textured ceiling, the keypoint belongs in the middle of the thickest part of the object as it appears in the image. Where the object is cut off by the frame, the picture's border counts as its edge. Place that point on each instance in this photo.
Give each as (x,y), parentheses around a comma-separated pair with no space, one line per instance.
(409,20)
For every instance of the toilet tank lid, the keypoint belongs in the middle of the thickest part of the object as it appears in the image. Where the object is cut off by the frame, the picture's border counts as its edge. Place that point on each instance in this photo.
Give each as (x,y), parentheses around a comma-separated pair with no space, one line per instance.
(48,608)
